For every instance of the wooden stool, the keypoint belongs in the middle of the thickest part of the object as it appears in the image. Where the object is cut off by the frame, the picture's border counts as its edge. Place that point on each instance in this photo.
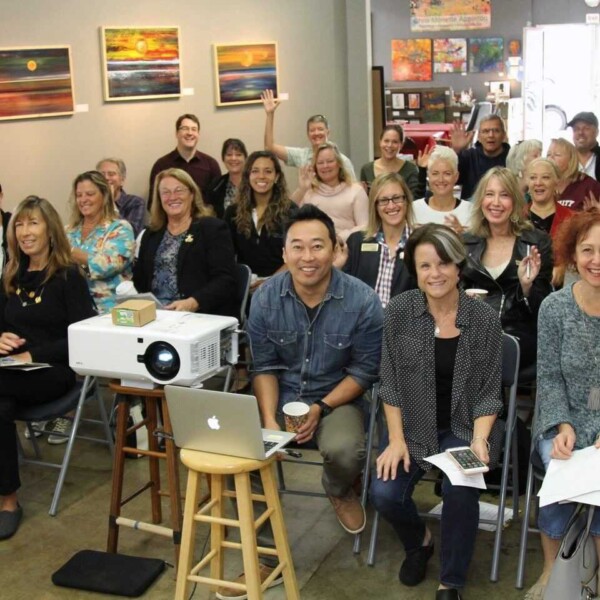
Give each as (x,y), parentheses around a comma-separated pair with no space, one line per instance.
(219,466)
(152,399)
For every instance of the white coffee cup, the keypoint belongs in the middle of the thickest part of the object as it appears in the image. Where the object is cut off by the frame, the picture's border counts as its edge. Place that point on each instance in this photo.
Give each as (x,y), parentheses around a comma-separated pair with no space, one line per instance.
(126,288)
(295,415)
(476,293)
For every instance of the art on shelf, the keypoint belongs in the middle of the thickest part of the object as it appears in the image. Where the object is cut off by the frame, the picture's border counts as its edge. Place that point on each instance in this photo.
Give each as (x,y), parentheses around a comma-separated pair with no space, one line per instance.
(486,55)
(244,71)
(450,15)
(411,60)
(433,104)
(36,82)
(514,48)
(140,63)
(450,55)
(398,101)
(500,90)
(414,101)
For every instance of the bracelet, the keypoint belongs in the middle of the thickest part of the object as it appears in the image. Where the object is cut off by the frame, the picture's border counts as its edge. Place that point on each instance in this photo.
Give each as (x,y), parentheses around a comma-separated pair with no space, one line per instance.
(480,437)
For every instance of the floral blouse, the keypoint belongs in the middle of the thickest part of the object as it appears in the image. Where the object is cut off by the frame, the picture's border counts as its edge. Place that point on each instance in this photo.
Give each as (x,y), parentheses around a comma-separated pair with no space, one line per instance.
(110,248)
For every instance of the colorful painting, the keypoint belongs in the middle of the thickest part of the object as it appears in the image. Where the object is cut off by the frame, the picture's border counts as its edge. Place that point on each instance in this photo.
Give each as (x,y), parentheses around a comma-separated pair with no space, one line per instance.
(414,101)
(140,63)
(450,15)
(486,55)
(434,106)
(450,55)
(35,82)
(244,71)
(411,60)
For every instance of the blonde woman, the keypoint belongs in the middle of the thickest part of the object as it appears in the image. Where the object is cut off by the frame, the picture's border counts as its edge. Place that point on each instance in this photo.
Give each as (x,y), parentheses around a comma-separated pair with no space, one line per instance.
(328,185)
(182,234)
(508,258)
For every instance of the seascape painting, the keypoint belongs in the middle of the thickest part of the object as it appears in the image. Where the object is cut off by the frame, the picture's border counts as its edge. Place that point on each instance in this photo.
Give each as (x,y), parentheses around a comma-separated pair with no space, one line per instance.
(244,71)
(411,60)
(141,63)
(35,82)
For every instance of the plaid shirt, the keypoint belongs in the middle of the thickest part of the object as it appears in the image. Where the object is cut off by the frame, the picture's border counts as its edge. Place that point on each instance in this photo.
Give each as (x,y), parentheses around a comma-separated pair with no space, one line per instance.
(383,287)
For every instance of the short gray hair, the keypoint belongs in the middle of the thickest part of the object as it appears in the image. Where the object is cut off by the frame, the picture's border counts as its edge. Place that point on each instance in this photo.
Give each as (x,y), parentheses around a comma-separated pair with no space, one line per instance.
(446,154)
(117,161)
(515,161)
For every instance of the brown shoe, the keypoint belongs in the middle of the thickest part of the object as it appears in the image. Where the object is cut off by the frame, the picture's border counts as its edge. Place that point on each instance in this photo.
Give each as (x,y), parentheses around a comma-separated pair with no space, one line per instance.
(224,593)
(350,512)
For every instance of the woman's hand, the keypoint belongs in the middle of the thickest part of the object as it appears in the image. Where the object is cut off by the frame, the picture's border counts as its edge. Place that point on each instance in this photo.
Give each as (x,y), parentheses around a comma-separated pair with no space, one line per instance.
(269,101)
(188,305)
(22,357)
(460,138)
(564,442)
(9,342)
(590,201)
(306,176)
(423,156)
(79,256)
(341,256)
(453,222)
(389,459)
(526,276)
(479,447)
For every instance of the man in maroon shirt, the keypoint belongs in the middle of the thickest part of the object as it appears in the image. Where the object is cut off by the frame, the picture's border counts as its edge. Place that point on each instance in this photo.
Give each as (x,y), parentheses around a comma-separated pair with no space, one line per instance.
(202,168)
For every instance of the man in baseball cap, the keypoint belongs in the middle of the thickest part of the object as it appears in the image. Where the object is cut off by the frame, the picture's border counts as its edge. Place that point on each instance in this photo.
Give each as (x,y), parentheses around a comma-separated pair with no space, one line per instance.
(585,132)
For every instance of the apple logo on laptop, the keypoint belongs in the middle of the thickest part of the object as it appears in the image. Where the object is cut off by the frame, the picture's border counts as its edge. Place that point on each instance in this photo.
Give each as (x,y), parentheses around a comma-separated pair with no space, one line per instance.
(213,422)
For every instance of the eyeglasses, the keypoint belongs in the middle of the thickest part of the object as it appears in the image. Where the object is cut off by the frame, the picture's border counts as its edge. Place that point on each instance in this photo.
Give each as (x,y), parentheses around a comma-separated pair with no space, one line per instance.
(187,129)
(493,130)
(398,199)
(178,191)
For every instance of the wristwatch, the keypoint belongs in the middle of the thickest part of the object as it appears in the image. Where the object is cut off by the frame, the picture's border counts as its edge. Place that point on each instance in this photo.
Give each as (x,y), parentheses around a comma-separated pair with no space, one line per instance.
(325,408)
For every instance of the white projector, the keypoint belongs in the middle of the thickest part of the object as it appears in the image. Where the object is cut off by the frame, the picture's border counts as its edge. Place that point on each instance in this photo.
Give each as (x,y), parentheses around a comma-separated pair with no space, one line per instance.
(179,348)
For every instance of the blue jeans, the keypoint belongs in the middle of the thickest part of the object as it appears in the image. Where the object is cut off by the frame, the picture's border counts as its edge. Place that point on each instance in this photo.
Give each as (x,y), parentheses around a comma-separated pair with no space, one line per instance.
(460,514)
(553,519)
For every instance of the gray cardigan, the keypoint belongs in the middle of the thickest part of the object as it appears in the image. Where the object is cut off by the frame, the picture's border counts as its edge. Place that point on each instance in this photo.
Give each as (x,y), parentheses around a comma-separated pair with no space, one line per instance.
(565,368)
(408,371)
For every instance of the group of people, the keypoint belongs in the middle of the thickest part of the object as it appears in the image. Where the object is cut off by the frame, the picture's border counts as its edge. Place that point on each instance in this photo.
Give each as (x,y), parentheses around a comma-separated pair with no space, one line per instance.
(354,282)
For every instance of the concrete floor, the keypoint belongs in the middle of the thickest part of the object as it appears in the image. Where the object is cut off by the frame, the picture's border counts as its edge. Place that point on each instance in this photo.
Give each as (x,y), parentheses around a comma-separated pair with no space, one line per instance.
(325,565)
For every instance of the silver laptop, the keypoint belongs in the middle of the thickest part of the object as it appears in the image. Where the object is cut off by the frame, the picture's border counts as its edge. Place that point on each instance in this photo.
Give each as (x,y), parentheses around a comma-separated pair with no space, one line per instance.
(222,423)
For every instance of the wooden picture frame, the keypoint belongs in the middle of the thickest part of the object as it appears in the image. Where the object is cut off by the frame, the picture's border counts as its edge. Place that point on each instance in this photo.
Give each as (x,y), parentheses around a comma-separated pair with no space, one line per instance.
(140,63)
(243,71)
(37,81)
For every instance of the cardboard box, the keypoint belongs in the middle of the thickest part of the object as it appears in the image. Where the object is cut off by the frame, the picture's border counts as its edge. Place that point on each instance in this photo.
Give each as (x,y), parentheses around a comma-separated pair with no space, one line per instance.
(134,313)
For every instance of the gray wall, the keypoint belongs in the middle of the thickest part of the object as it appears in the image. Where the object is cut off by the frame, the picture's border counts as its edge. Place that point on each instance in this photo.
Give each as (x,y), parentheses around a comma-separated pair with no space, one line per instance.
(42,156)
(391,20)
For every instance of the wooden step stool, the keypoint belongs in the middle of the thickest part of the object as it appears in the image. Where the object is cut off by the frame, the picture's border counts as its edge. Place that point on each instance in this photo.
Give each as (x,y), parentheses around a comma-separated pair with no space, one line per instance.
(219,466)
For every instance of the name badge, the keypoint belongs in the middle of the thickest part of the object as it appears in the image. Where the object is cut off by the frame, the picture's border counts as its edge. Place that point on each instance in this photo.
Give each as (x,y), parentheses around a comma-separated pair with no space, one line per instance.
(369,247)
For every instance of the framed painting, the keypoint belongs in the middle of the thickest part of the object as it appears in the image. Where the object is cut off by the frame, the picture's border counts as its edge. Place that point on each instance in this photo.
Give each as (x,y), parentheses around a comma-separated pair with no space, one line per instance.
(434,106)
(36,82)
(450,55)
(140,63)
(411,60)
(398,101)
(414,101)
(244,71)
(486,55)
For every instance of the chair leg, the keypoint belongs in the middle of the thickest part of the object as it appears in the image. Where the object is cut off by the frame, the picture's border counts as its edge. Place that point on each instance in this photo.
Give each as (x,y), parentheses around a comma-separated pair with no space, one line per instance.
(525,529)
(373,540)
(217,530)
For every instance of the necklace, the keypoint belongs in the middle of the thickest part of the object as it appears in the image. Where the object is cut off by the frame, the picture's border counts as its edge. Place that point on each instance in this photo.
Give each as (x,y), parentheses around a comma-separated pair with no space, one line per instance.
(175,231)
(442,321)
(594,395)
(27,298)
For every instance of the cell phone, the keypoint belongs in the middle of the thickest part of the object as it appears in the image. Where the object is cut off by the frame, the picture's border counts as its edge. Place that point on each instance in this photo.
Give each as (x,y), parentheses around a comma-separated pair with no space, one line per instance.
(468,462)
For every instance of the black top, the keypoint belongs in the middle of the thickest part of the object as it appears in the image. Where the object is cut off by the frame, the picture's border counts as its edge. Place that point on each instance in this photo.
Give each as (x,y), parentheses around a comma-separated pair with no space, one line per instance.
(445,356)
(205,266)
(64,299)
(263,252)
(5,219)
(539,223)
(215,196)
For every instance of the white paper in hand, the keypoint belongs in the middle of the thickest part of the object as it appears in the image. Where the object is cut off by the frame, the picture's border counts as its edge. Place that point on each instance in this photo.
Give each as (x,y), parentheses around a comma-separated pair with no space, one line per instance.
(455,475)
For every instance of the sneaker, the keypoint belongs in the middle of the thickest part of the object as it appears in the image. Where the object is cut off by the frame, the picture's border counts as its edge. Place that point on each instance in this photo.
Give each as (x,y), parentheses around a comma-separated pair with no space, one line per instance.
(414,567)
(38,427)
(59,431)
(349,511)
(224,593)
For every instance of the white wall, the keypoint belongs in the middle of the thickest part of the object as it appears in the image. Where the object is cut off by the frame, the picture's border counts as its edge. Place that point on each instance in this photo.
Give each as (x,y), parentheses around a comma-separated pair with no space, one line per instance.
(42,156)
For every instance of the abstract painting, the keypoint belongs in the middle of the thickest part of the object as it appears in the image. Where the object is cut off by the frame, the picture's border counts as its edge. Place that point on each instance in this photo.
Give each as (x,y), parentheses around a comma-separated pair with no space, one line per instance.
(140,63)
(411,60)
(244,71)
(35,82)
(486,55)
(450,15)
(434,106)
(450,55)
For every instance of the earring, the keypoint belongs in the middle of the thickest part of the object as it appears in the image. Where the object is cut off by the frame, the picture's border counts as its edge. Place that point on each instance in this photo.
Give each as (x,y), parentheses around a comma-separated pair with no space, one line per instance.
(514,218)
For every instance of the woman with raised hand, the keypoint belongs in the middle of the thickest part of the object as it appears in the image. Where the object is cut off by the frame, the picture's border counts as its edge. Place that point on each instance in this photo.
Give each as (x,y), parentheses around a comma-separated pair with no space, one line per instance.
(326,184)
(391,141)
(43,292)
(376,254)
(101,242)
(186,257)
(508,258)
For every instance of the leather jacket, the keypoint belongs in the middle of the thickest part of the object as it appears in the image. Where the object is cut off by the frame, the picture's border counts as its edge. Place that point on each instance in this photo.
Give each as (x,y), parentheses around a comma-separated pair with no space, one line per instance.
(505,295)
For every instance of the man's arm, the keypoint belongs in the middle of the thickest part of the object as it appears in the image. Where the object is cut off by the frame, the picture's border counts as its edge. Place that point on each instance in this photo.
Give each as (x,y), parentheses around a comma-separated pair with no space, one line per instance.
(266,390)
(270,103)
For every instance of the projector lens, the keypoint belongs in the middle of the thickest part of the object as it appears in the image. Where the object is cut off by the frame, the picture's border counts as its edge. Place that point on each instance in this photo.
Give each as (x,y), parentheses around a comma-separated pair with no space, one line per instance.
(162,360)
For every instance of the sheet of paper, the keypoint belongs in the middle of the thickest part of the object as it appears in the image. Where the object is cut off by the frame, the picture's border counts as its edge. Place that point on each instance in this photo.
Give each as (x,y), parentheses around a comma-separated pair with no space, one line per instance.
(487,512)
(572,478)
(11,363)
(455,475)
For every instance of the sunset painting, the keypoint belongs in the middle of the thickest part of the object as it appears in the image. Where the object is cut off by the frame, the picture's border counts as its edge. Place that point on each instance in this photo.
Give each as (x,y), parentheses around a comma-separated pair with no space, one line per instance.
(35,82)
(243,71)
(140,62)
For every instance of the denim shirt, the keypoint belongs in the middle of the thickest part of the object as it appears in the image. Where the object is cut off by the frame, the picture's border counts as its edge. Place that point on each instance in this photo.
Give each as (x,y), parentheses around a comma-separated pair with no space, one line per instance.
(311,358)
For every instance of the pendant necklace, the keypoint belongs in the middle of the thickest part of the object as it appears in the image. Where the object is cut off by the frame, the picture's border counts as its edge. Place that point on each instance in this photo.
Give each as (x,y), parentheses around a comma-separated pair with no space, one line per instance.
(27,298)
(442,321)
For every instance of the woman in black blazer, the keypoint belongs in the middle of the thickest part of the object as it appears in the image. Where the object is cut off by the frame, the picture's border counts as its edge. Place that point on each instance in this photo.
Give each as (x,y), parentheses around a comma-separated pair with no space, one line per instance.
(4,219)
(186,258)
(390,224)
